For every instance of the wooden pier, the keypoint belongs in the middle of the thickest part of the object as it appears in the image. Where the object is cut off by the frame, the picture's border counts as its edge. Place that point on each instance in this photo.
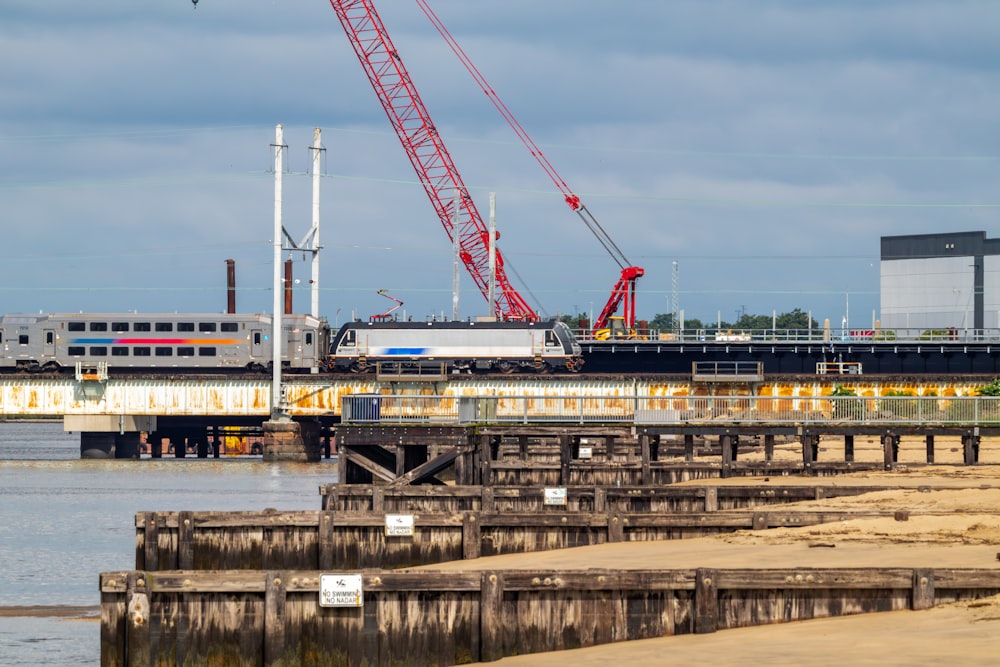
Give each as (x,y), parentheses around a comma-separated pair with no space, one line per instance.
(253,587)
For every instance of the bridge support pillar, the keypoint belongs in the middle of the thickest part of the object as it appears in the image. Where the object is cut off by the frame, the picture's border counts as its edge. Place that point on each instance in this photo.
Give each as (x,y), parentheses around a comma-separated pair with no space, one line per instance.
(97,445)
(288,440)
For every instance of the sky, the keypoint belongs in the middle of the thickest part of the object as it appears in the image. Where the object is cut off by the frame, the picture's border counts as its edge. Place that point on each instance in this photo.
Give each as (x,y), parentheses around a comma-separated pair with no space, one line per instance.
(748,154)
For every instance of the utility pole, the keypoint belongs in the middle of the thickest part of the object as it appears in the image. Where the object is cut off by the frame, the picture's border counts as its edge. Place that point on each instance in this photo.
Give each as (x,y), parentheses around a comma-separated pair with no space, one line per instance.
(277,407)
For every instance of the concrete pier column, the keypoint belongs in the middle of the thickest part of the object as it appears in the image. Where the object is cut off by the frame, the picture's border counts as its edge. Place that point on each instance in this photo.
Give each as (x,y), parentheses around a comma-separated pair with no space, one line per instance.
(288,440)
(97,445)
(127,445)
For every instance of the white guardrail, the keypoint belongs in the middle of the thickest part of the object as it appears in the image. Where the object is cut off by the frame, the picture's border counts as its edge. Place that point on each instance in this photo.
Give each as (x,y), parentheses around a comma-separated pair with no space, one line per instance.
(402,409)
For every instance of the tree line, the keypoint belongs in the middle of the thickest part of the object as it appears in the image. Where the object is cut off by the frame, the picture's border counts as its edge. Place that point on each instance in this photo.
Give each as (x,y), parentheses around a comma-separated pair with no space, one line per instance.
(793,319)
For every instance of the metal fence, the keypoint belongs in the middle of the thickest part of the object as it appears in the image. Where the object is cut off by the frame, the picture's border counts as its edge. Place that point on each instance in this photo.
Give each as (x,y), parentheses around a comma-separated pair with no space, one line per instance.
(405,409)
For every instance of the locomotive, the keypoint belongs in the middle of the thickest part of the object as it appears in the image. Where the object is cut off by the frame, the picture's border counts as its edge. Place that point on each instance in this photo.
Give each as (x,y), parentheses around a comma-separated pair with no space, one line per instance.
(458,346)
(207,342)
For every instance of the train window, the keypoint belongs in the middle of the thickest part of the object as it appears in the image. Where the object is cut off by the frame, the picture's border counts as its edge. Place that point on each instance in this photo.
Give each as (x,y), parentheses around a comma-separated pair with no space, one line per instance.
(50,337)
(119,352)
(119,326)
(76,351)
(142,326)
(164,326)
(550,338)
(164,351)
(206,351)
(256,338)
(206,327)
(185,326)
(23,339)
(230,326)
(185,352)
(349,338)
(99,351)
(309,338)
(98,326)
(140,351)
(76,326)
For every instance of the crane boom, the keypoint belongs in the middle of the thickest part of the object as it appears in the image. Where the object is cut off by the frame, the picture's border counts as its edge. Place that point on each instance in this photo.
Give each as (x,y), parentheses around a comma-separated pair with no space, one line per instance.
(624,289)
(427,153)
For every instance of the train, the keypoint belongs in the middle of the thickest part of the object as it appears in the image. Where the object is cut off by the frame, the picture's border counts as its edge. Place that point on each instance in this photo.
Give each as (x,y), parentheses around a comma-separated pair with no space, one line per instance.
(134,341)
(186,342)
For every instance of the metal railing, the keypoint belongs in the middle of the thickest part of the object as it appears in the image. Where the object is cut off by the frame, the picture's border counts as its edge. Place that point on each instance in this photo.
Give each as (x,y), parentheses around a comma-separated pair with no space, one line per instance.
(815,335)
(911,410)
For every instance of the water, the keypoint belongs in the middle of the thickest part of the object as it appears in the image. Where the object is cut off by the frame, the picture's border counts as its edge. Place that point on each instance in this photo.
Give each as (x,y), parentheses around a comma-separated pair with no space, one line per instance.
(63,521)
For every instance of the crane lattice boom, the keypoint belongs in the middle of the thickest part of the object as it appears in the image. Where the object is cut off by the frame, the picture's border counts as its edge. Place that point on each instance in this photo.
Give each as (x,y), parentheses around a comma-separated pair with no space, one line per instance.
(427,153)
(624,289)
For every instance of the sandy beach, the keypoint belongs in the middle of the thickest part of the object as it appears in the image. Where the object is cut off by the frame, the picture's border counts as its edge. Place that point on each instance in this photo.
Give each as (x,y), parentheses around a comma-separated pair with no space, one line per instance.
(952,519)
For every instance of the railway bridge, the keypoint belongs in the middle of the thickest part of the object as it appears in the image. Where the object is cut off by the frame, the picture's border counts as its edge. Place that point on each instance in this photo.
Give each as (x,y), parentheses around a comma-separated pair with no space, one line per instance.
(117,415)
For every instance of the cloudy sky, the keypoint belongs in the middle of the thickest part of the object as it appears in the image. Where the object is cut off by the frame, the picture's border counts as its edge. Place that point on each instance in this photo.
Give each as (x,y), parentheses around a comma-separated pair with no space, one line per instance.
(764,146)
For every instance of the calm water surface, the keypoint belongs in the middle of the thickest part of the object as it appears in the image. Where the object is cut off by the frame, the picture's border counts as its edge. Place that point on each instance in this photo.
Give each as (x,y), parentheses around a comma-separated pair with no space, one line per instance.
(63,521)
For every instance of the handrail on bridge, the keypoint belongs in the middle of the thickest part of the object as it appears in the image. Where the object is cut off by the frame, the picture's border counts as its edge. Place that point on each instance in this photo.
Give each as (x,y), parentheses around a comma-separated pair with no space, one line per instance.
(651,410)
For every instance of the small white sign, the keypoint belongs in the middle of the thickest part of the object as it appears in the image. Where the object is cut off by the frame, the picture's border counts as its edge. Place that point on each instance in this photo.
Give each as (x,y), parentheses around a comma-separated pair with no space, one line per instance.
(399,525)
(340,590)
(555,496)
(586,452)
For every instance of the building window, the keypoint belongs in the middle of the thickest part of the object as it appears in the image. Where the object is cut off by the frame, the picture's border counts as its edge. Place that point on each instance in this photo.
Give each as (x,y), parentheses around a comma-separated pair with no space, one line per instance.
(206,351)
(230,327)
(164,351)
(164,326)
(206,327)
(185,326)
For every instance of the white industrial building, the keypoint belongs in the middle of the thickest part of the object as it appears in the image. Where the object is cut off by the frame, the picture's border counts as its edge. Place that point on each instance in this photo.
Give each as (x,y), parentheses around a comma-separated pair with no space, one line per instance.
(940,281)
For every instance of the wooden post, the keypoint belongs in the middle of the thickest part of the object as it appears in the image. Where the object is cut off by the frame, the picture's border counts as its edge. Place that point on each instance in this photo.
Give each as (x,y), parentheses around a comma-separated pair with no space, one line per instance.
(378,499)
(185,545)
(849,448)
(616,527)
(522,446)
(806,440)
(930,447)
(471,538)
(706,603)
(711,499)
(326,538)
(889,448)
(689,447)
(274,617)
(645,477)
(923,589)
(761,520)
(137,632)
(726,445)
(768,447)
(491,638)
(487,499)
(970,447)
(151,550)
(565,456)
(600,499)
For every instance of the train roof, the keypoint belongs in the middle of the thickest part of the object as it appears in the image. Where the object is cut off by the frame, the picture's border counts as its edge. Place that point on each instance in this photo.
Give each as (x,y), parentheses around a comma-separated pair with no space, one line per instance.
(453,324)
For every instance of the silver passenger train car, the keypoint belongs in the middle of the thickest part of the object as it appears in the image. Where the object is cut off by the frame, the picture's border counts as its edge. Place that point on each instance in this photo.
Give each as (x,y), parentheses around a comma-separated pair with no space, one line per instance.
(139,341)
(459,346)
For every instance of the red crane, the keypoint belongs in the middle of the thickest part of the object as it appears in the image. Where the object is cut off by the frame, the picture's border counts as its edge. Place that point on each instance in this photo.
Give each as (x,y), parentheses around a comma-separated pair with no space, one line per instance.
(624,289)
(427,153)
